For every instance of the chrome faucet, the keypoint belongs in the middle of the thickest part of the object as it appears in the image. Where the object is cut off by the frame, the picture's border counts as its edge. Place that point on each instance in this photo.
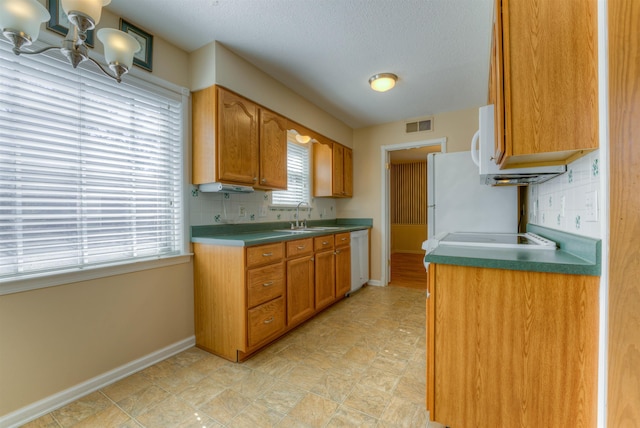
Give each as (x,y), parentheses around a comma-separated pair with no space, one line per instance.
(298,215)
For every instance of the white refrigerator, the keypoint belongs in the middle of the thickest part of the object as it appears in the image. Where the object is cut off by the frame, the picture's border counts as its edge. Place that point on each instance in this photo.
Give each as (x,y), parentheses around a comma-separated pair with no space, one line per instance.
(457,202)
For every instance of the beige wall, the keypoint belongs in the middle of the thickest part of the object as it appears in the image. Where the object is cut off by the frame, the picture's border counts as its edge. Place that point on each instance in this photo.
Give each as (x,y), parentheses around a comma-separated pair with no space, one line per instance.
(215,64)
(408,238)
(457,126)
(55,338)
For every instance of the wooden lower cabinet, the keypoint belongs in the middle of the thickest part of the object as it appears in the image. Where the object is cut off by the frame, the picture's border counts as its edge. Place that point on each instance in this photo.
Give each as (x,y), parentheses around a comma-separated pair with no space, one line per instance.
(343,264)
(265,321)
(300,281)
(325,266)
(246,298)
(511,348)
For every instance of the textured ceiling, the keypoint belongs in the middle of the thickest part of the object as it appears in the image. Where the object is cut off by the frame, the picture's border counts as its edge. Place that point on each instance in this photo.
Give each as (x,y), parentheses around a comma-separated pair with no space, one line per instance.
(326,50)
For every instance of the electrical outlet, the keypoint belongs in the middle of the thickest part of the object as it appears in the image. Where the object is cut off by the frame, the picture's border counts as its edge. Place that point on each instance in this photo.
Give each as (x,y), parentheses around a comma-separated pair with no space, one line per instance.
(242,211)
(591,205)
(563,206)
(263,211)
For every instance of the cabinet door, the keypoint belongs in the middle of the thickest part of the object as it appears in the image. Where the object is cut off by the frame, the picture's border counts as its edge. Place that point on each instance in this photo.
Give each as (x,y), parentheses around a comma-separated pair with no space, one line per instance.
(273,151)
(300,289)
(496,84)
(550,79)
(325,278)
(322,169)
(237,140)
(431,340)
(514,348)
(348,172)
(343,271)
(338,170)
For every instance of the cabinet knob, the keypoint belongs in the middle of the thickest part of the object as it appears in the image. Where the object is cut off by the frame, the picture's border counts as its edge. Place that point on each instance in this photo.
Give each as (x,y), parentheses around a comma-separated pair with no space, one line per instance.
(337,252)
(255,179)
(264,180)
(268,320)
(312,259)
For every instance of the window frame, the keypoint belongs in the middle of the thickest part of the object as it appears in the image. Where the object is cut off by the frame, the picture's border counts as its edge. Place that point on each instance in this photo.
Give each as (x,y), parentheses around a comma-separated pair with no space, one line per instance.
(39,280)
(308,197)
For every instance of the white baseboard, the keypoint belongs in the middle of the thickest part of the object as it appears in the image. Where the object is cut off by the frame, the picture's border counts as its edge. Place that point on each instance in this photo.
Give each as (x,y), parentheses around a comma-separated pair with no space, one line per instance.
(375,282)
(47,405)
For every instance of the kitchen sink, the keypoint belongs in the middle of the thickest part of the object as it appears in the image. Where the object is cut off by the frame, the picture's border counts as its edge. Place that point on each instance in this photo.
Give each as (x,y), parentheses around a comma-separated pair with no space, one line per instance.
(322,228)
(308,229)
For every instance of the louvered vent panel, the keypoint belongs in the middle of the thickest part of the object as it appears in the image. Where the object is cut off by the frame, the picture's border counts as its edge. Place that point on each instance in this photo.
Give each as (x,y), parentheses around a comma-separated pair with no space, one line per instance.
(409,193)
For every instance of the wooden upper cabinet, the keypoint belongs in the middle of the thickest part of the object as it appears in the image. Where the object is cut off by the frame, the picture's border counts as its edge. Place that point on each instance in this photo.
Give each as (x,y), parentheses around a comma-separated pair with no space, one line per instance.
(332,170)
(348,172)
(338,169)
(237,141)
(273,151)
(545,81)
(237,148)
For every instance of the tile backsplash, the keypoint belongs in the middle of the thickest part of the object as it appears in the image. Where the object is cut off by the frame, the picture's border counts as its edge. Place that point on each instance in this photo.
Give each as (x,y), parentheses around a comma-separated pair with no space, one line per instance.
(569,202)
(232,208)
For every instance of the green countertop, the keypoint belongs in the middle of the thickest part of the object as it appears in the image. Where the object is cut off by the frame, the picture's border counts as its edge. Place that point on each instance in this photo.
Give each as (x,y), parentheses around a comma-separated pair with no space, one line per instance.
(247,234)
(576,254)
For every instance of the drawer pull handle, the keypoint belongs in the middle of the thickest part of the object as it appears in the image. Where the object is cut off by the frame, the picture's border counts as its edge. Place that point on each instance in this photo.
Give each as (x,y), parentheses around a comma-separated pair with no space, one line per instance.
(324,243)
(267,284)
(267,254)
(344,239)
(268,320)
(301,247)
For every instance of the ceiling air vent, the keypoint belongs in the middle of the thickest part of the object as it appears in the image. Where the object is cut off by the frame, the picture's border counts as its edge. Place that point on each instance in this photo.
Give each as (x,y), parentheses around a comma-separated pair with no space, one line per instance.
(419,126)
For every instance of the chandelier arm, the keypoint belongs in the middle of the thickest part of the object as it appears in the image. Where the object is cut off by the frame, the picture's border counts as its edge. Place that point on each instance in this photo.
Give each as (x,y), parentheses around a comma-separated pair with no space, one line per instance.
(116,78)
(18,51)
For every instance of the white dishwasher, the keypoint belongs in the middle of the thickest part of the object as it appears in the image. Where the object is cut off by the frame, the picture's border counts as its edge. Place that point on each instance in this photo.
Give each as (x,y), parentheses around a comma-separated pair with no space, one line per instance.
(359,259)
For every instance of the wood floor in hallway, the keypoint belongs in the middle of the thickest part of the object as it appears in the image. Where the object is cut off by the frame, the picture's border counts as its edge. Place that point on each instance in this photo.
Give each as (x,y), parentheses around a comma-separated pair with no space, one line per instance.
(408,271)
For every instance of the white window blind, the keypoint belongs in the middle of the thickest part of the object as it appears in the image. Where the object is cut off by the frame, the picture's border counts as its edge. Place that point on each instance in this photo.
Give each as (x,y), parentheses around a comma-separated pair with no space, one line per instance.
(297,176)
(90,170)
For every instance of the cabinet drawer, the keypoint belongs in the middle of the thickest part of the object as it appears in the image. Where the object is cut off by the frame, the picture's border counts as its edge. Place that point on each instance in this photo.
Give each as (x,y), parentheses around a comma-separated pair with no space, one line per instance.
(343,239)
(264,254)
(264,284)
(265,320)
(299,247)
(323,242)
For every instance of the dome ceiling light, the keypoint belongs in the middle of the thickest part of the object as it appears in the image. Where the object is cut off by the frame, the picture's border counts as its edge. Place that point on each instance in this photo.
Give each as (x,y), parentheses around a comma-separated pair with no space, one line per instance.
(382,82)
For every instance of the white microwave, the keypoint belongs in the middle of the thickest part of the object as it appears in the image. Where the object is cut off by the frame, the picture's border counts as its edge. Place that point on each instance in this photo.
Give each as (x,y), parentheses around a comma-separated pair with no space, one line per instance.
(482,152)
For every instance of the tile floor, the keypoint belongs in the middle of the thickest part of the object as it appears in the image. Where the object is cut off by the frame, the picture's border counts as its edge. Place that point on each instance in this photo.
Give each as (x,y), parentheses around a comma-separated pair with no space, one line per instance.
(360,363)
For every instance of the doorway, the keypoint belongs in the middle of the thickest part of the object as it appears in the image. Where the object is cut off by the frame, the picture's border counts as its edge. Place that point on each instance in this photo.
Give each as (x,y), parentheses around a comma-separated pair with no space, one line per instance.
(400,153)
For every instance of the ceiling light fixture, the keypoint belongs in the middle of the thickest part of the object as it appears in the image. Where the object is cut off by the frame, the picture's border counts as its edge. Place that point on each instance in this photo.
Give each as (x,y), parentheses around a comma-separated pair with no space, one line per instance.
(20,23)
(303,139)
(383,82)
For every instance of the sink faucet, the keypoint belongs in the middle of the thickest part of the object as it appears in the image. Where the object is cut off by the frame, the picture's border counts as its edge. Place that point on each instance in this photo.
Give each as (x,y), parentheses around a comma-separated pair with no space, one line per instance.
(298,214)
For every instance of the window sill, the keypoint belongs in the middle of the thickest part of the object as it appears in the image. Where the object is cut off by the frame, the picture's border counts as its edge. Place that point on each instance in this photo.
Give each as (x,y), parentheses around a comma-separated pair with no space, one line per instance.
(51,280)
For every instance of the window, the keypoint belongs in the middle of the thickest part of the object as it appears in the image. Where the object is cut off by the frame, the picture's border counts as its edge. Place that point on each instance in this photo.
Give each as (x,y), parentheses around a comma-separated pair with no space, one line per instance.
(297,176)
(90,170)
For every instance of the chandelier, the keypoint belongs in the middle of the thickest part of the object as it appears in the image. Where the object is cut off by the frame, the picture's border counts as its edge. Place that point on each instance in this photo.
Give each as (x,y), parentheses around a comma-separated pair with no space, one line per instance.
(20,23)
